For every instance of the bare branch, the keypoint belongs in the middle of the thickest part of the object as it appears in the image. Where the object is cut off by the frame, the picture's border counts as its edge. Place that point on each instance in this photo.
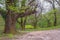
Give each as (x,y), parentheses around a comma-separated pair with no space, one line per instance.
(58,2)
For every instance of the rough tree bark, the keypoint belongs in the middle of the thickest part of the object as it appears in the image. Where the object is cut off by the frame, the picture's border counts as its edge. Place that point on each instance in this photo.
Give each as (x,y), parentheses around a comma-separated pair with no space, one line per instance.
(10,19)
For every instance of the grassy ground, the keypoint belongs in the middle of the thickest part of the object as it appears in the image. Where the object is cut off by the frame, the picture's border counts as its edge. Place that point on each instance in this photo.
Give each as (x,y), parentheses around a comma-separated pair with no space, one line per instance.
(30,28)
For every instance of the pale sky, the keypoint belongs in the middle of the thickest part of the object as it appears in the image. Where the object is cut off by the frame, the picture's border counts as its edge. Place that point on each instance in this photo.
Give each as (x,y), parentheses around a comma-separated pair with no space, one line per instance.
(46,5)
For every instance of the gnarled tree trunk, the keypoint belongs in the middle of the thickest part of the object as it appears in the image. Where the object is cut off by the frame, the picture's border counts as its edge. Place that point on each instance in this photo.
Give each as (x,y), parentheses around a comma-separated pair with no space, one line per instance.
(10,18)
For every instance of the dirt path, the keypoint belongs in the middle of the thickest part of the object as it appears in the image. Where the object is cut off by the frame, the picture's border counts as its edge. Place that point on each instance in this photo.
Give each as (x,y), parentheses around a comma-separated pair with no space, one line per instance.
(40,35)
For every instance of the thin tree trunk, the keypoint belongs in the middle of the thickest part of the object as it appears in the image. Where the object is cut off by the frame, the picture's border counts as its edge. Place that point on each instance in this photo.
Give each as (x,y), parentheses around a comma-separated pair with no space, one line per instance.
(55,17)
(55,20)
(35,23)
(25,22)
(49,24)
(22,28)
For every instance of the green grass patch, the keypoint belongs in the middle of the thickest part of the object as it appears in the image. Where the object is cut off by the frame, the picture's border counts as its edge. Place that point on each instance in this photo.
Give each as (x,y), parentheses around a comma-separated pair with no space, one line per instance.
(29,27)
(40,28)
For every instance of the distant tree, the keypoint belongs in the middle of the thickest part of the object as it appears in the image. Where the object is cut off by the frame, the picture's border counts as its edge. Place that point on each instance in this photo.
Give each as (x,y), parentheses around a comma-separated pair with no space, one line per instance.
(54,8)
